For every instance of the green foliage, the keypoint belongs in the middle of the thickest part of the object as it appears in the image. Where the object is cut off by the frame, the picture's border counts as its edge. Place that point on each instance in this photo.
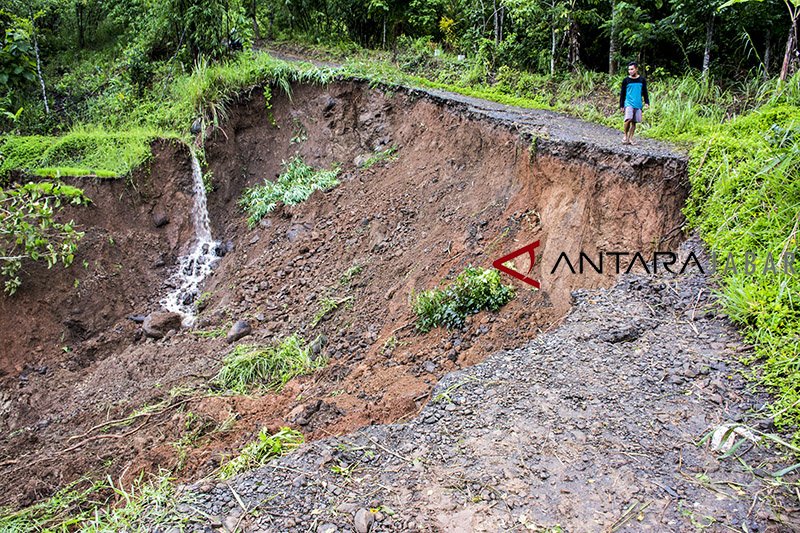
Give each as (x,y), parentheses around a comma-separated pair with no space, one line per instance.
(295,184)
(29,229)
(384,156)
(97,506)
(327,306)
(474,290)
(251,366)
(745,196)
(262,450)
(17,64)
(350,274)
(84,151)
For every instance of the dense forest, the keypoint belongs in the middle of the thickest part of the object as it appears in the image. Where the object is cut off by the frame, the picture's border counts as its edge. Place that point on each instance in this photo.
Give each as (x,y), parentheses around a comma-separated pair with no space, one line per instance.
(58,53)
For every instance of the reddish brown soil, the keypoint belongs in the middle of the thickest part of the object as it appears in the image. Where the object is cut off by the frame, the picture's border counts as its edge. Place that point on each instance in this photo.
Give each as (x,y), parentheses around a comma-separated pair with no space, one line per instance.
(462,191)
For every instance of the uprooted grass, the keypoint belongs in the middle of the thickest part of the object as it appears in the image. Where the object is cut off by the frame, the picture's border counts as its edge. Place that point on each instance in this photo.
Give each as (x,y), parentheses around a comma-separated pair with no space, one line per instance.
(295,184)
(262,450)
(475,289)
(98,505)
(269,367)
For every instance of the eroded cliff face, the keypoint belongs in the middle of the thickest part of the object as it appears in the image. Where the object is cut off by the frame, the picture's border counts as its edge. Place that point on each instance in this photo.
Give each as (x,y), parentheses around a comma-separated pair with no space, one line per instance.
(464,186)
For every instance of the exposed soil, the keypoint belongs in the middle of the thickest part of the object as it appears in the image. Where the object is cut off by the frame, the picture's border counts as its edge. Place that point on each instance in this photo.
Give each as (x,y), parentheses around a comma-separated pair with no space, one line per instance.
(590,427)
(470,183)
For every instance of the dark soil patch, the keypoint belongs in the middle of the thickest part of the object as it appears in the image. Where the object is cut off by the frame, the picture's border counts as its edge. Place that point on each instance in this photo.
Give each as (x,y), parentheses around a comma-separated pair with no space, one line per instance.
(465,189)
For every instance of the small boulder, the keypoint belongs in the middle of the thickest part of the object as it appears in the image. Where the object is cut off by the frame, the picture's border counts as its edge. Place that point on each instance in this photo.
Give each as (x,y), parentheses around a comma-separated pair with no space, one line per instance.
(363,521)
(240,329)
(328,106)
(197,126)
(160,219)
(157,324)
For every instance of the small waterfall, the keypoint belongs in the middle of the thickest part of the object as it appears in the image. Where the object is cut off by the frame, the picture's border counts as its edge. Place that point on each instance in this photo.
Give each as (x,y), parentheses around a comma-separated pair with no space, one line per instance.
(194,267)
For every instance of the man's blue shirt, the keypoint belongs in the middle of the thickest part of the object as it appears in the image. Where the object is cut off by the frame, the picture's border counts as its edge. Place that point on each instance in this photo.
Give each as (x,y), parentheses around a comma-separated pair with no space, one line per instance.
(633,92)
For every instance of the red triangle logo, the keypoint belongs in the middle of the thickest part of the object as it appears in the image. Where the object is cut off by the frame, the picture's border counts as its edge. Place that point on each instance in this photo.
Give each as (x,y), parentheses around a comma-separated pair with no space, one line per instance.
(527,249)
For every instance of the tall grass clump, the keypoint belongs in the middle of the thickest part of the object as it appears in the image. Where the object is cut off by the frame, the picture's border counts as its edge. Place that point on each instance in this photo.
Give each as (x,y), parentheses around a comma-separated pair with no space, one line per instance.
(745,201)
(474,290)
(262,450)
(98,506)
(295,184)
(270,367)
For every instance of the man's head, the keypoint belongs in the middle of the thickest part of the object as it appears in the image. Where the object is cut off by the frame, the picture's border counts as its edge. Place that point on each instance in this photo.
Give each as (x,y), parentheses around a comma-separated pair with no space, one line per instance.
(633,68)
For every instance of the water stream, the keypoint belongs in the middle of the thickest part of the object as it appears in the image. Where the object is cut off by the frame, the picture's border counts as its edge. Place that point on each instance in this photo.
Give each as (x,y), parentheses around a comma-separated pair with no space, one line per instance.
(198,263)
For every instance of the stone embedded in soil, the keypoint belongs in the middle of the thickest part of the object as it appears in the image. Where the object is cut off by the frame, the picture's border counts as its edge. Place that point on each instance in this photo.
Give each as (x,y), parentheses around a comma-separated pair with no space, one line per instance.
(158,324)
(240,329)
(160,219)
(363,521)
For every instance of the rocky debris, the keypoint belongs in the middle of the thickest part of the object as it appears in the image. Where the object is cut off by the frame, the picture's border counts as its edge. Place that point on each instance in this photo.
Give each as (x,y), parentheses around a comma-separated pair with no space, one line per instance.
(224,248)
(571,429)
(240,328)
(317,346)
(158,324)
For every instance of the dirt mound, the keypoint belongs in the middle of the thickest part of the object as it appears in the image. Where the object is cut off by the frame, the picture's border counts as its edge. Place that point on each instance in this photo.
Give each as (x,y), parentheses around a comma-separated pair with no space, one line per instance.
(464,189)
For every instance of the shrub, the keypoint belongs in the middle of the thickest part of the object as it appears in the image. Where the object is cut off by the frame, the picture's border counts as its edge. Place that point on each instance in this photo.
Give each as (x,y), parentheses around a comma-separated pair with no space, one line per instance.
(258,452)
(29,229)
(251,366)
(297,182)
(474,290)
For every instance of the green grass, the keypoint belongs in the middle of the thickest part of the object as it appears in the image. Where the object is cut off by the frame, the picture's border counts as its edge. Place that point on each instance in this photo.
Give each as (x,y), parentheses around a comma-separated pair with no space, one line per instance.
(268,367)
(97,506)
(262,450)
(114,134)
(384,156)
(328,306)
(474,290)
(295,184)
(350,274)
(82,152)
(746,198)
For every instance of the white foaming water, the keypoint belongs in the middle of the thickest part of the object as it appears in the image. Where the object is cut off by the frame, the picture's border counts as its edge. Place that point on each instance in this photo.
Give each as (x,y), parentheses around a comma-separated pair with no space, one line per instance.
(194,267)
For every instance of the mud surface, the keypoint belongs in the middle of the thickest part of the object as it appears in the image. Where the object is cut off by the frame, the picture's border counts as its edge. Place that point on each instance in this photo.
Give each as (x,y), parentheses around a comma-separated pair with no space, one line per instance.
(590,427)
(467,186)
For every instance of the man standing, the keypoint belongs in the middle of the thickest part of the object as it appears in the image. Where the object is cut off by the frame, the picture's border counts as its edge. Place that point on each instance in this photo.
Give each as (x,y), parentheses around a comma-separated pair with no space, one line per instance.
(631,96)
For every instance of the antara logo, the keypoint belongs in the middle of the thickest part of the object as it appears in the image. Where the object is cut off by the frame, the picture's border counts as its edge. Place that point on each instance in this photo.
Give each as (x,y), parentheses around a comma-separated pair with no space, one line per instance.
(527,249)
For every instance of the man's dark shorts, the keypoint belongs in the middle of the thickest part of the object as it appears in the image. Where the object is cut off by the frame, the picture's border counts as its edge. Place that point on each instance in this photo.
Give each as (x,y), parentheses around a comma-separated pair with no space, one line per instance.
(633,114)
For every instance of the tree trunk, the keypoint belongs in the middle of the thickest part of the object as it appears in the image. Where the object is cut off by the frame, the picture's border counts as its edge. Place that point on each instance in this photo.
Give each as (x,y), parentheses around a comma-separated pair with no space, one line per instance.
(553,50)
(256,32)
(707,49)
(767,55)
(612,45)
(39,71)
(38,60)
(384,32)
(790,56)
(496,23)
(79,20)
(502,19)
(574,43)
